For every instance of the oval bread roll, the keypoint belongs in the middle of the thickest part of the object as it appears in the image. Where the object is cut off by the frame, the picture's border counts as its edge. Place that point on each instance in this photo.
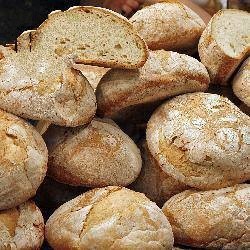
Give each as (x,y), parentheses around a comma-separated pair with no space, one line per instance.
(168,25)
(225,43)
(93,156)
(241,83)
(23,160)
(153,181)
(202,140)
(217,219)
(109,218)
(165,74)
(21,227)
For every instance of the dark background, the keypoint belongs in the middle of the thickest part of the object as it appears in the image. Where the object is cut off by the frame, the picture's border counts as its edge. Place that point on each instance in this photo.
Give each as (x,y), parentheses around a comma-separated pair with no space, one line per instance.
(17,16)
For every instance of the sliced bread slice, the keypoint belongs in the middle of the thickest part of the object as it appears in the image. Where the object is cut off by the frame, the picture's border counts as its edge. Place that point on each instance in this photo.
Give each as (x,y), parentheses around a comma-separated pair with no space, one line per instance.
(225,43)
(169,25)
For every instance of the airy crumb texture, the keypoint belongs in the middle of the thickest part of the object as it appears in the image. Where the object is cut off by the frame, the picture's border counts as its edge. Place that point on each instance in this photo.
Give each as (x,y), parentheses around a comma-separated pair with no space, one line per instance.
(225,43)
(202,140)
(217,219)
(21,227)
(23,161)
(109,218)
(241,83)
(165,74)
(153,181)
(94,156)
(169,25)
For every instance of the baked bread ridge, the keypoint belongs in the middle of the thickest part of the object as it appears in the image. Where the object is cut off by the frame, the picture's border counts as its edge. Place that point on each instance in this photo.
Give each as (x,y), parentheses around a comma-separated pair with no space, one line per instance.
(202,140)
(109,218)
(216,219)
(153,181)
(168,25)
(23,160)
(22,227)
(220,62)
(97,155)
(241,83)
(165,74)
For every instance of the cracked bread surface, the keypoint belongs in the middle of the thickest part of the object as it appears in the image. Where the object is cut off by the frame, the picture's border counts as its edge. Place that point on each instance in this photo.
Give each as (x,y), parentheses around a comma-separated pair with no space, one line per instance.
(241,83)
(165,74)
(23,160)
(225,43)
(109,218)
(216,219)
(97,155)
(21,227)
(168,25)
(202,140)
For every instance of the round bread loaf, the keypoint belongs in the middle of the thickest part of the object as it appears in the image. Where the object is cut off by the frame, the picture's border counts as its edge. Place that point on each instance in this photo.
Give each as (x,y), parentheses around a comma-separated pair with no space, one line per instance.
(217,219)
(153,181)
(241,83)
(168,25)
(202,140)
(109,218)
(93,156)
(22,227)
(165,74)
(23,160)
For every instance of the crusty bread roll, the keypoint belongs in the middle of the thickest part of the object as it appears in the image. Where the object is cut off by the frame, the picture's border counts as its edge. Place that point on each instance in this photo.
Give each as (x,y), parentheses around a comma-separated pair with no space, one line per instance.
(202,140)
(93,156)
(21,227)
(23,160)
(153,181)
(165,74)
(169,25)
(37,80)
(225,43)
(109,218)
(241,83)
(217,219)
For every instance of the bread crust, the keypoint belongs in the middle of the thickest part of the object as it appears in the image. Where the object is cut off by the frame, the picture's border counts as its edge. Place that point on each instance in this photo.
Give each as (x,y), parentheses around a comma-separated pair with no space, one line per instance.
(168,25)
(220,65)
(165,74)
(241,83)
(202,140)
(93,156)
(23,160)
(109,218)
(22,227)
(217,219)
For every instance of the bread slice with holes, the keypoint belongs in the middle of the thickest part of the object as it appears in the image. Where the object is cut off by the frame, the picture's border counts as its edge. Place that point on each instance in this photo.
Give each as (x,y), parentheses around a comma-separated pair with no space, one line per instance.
(37,80)
(169,25)
(225,43)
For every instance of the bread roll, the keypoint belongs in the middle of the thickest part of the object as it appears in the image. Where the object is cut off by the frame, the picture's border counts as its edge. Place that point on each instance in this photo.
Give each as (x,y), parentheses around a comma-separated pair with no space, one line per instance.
(225,43)
(23,160)
(21,227)
(93,156)
(165,74)
(202,140)
(217,219)
(153,181)
(169,25)
(109,218)
(241,83)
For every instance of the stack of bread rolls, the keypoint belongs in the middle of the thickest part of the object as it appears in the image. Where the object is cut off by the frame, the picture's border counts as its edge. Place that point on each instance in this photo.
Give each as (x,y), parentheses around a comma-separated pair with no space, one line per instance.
(138,145)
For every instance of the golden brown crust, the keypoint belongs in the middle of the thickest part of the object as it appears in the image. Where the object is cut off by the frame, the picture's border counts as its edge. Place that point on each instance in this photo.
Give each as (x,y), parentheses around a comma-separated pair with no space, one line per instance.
(165,74)
(217,219)
(23,160)
(109,218)
(22,227)
(95,156)
(202,140)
